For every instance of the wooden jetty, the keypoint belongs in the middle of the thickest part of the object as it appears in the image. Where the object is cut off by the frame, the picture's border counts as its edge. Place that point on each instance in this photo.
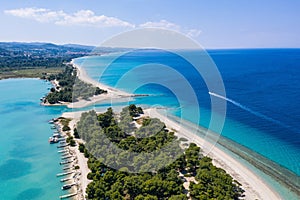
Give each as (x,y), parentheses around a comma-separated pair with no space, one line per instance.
(65,154)
(69,167)
(62,146)
(68,195)
(65,173)
(66,157)
(65,162)
(66,179)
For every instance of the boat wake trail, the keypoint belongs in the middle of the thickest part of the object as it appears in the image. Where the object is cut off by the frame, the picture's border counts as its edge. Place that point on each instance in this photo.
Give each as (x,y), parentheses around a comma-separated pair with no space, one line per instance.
(258,114)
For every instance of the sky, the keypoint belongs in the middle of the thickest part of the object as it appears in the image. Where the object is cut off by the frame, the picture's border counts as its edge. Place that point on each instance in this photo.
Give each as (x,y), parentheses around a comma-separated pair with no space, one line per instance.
(213,24)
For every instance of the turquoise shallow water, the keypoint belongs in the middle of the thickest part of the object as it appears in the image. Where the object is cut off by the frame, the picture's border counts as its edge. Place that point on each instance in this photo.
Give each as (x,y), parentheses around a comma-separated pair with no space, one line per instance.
(28,163)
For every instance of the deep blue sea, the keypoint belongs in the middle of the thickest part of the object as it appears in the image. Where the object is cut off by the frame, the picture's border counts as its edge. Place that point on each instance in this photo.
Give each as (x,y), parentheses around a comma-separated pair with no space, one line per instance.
(262,93)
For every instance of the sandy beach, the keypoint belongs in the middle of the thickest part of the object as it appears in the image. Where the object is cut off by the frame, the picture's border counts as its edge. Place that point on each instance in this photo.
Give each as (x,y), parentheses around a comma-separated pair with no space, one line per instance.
(80,160)
(112,94)
(254,186)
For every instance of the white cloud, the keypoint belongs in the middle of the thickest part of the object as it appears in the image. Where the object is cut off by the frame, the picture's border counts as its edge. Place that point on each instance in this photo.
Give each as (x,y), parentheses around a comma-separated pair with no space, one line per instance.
(89,18)
(82,17)
(38,14)
(169,25)
(161,24)
(193,33)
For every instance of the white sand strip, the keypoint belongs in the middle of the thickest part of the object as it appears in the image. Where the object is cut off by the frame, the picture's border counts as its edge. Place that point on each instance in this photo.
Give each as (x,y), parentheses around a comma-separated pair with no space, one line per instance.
(113,94)
(254,186)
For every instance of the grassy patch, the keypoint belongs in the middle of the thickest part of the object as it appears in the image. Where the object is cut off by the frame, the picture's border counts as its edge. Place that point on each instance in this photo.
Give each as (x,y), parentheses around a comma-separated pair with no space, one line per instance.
(30,73)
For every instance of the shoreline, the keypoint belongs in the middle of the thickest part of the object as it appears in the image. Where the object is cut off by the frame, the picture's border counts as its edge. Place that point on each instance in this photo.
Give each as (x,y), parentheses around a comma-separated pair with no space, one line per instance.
(273,174)
(112,93)
(78,160)
(254,186)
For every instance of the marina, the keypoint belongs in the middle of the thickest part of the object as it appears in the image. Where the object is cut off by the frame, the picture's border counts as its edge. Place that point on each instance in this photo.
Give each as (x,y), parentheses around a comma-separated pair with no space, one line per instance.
(68,159)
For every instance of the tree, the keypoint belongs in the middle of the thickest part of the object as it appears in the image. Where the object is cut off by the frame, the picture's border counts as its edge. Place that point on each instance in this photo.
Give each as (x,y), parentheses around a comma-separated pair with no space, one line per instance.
(66,128)
(96,130)
(76,135)
(179,197)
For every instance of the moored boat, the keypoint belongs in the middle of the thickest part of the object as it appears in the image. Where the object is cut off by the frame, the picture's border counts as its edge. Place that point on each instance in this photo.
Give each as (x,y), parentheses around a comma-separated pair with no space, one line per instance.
(53,140)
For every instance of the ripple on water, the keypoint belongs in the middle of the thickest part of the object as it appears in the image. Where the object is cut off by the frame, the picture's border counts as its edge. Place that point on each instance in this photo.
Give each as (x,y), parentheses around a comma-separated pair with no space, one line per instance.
(13,168)
(32,193)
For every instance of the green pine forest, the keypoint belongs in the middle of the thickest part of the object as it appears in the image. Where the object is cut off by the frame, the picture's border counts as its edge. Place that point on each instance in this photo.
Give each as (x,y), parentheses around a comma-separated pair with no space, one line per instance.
(70,88)
(113,140)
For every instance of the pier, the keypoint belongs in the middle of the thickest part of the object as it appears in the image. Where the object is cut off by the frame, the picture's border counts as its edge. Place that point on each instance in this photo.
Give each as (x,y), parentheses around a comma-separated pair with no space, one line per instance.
(65,162)
(65,179)
(68,195)
(65,173)
(62,146)
(66,157)
(65,154)
(66,168)
(69,174)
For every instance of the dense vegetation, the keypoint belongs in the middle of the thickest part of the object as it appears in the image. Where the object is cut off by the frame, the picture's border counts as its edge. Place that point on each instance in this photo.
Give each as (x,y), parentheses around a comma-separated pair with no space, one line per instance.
(70,88)
(36,55)
(164,182)
(41,59)
(36,59)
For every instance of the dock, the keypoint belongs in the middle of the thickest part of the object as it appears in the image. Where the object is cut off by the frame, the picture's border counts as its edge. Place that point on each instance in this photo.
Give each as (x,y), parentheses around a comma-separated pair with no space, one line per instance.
(66,157)
(65,154)
(65,173)
(65,162)
(68,195)
(62,146)
(65,179)
(69,167)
